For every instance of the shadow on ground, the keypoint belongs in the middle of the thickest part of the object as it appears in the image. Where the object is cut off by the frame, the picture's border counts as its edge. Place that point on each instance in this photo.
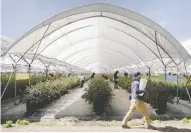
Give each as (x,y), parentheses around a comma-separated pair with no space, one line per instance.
(172,129)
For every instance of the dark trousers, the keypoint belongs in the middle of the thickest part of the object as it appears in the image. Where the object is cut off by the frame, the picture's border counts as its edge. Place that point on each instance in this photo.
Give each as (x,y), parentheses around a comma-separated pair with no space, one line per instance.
(82,83)
(115,84)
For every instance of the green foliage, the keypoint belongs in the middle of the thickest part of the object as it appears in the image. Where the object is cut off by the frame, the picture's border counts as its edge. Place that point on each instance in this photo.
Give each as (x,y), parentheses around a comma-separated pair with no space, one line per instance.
(21,84)
(8,124)
(159,90)
(111,77)
(99,93)
(125,83)
(22,122)
(186,120)
(43,93)
(43,123)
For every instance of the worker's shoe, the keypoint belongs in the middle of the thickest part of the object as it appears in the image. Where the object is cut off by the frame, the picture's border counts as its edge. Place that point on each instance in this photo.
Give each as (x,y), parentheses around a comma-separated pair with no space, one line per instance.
(151,127)
(125,126)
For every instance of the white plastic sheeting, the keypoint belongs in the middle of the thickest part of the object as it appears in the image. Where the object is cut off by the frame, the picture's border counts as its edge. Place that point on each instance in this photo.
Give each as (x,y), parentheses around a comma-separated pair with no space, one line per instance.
(8,62)
(187,45)
(101,38)
(5,43)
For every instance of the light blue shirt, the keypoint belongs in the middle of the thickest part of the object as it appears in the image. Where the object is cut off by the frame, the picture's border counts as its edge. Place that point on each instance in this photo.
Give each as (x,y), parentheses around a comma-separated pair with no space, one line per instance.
(134,89)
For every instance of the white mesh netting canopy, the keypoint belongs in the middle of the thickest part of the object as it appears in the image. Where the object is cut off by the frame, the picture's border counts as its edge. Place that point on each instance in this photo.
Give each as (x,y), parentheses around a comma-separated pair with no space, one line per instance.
(102,38)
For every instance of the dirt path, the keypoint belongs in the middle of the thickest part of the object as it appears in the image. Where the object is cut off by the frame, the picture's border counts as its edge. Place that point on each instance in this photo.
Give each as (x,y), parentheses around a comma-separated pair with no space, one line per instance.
(68,124)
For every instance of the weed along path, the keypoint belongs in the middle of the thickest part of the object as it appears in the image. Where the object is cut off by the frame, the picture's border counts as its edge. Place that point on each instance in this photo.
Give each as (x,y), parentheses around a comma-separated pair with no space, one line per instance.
(70,124)
(59,108)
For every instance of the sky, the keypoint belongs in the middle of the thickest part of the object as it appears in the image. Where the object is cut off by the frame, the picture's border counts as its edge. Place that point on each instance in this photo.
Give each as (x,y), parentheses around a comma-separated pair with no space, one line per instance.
(19,16)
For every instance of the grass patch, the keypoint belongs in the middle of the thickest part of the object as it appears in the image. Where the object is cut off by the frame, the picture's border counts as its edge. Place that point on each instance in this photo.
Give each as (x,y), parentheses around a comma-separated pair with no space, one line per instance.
(44,123)
(186,120)
(8,124)
(110,123)
(22,122)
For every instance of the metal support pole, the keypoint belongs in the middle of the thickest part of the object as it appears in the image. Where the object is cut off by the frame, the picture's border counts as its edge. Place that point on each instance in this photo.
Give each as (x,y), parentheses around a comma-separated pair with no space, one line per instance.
(46,67)
(185,68)
(177,85)
(29,75)
(29,69)
(7,84)
(187,88)
(149,72)
(14,74)
(15,69)
(165,72)
(188,94)
(46,71)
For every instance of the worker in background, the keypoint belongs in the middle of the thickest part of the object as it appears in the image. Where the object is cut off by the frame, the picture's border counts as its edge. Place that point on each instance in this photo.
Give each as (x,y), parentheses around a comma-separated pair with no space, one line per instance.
(126,74)
(93,75)
(116,80)
(82,80)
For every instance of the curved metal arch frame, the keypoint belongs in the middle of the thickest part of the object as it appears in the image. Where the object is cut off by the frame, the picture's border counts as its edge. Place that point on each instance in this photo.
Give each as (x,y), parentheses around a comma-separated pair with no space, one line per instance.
(87,27)
(102,68)
(120,31)
(70,55)
(125,32)
(139,63)
(107,49)
(132,19)
(93,55)
(136,38)
(54,40)
(121,43)
(100,62)
(115,20)
(63,36)
(44,58)
(86,61)
(103,8)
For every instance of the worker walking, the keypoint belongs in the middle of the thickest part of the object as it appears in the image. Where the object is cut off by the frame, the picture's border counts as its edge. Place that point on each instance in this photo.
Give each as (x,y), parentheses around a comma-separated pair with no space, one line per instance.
(137,103)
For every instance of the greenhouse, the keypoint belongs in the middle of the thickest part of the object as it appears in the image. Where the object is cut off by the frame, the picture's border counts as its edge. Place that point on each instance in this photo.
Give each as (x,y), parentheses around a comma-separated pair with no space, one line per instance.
(101,38)
(96,38)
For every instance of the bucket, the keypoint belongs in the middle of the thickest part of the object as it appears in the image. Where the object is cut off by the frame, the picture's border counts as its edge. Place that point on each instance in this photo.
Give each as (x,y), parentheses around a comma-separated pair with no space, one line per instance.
(143,84)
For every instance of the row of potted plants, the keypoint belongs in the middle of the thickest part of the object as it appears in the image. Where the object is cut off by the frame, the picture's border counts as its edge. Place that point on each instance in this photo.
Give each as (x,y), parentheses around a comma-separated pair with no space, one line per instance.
(159,92)
(20,84)
(43,93)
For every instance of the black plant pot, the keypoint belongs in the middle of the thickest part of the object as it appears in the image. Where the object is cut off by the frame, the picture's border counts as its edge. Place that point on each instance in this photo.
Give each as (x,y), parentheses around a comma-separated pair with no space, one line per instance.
(162,106)
(153,104)
(30,106)
(99,108)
